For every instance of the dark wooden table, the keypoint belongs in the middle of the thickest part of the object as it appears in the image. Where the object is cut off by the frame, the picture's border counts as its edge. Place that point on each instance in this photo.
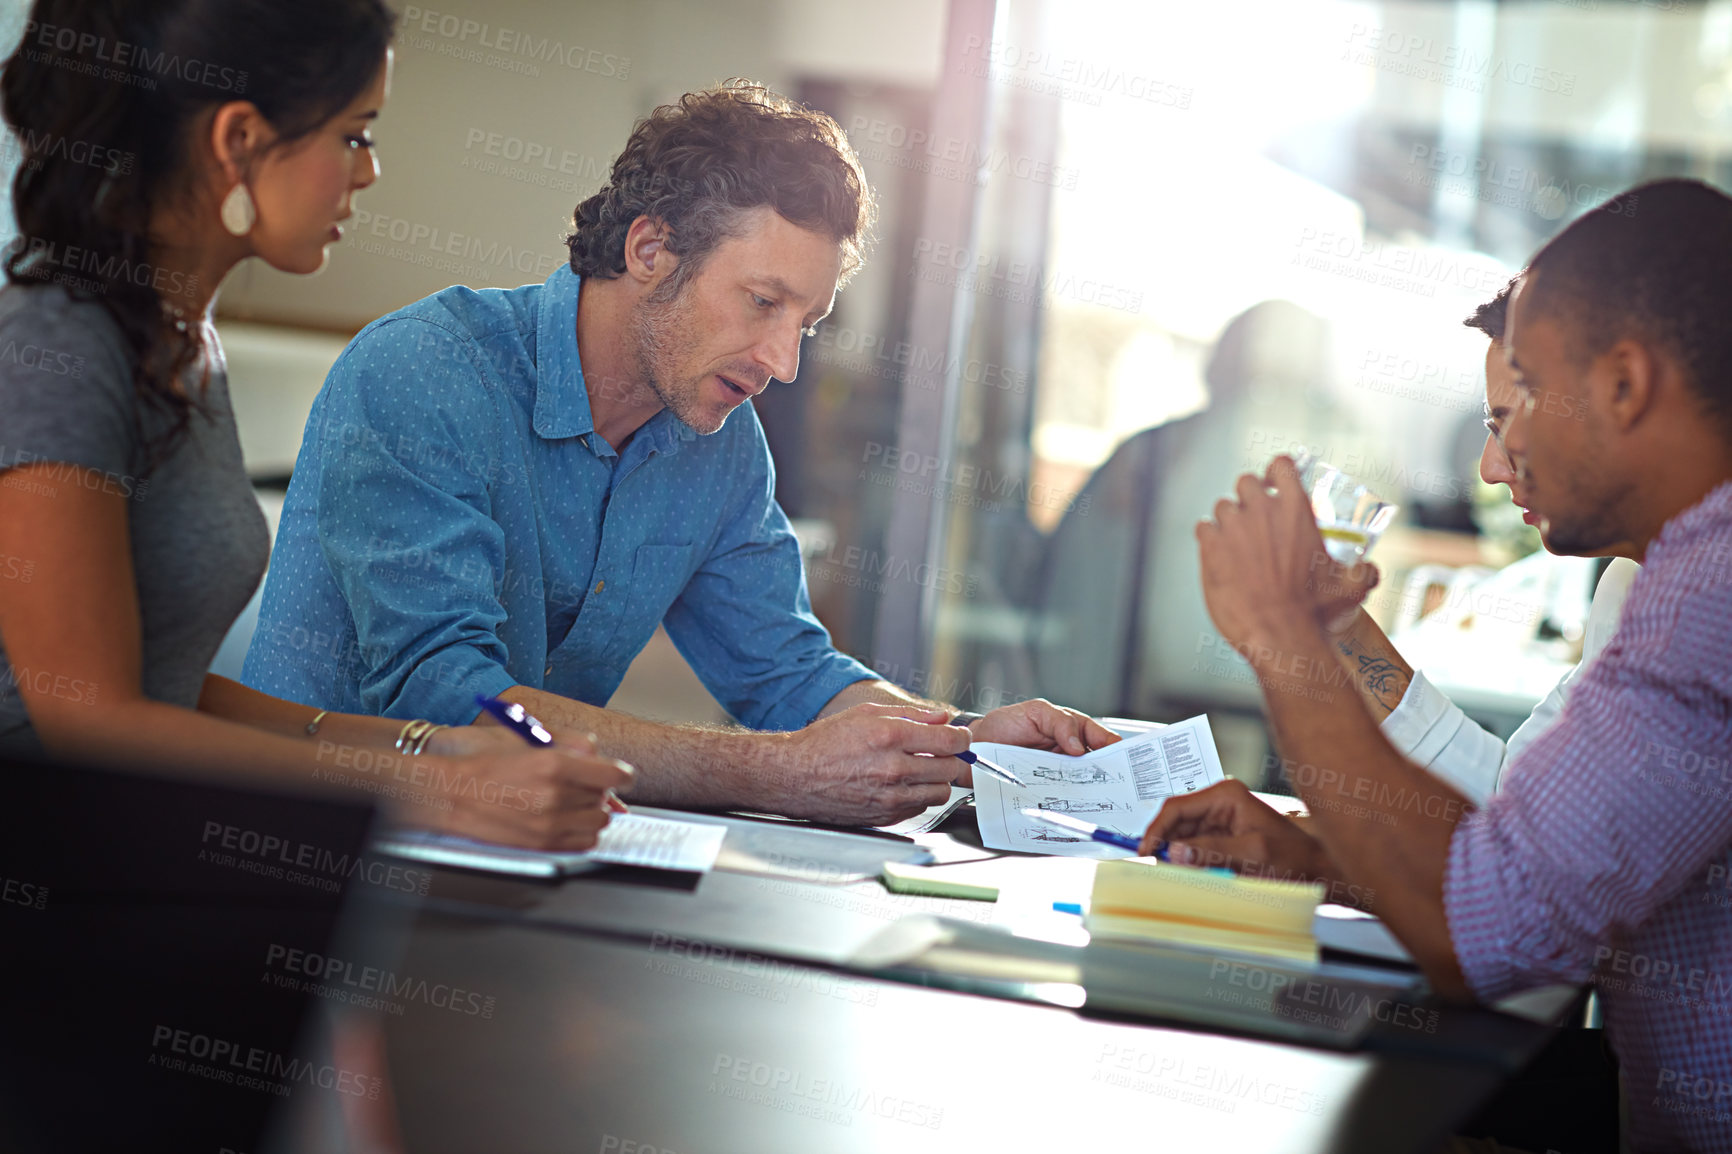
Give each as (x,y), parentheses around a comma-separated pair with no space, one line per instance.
(633,1013)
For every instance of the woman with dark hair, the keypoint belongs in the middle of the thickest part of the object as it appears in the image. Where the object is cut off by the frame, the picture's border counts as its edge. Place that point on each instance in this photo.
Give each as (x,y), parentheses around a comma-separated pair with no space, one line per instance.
(162,143)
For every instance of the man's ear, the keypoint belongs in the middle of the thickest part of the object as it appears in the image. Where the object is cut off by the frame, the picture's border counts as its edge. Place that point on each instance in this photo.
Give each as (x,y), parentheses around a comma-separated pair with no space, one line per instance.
(648,260)
(1633,382)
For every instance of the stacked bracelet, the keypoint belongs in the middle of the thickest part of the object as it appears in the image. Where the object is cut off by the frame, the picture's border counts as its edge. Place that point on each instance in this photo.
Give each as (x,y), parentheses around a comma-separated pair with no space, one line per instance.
(410,731)
(413,737)
(425,738)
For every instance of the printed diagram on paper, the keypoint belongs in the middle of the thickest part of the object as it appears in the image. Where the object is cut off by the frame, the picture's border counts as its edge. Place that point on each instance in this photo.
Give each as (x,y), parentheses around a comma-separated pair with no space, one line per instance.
(1118,788)
(1076,774)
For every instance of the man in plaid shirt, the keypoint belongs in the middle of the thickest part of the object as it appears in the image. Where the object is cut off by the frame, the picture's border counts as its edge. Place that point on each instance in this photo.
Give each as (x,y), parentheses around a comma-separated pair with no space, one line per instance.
(1606,857)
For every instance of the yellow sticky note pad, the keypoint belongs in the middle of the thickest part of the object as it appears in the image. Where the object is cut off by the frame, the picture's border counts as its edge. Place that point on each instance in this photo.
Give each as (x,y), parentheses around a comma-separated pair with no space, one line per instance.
(1146,901)
(932,883)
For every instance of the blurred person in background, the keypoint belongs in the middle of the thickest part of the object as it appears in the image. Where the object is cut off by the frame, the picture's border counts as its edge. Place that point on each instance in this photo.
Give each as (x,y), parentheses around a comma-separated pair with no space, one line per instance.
(1118,623)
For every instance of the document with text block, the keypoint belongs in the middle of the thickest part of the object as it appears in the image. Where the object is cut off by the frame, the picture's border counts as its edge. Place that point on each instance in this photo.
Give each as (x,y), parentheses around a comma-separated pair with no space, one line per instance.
(1118,787)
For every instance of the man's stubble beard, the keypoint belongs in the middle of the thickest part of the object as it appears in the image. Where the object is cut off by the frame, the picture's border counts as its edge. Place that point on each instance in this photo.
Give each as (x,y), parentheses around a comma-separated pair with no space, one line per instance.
(1600,505)
(1581,534)
(655,334)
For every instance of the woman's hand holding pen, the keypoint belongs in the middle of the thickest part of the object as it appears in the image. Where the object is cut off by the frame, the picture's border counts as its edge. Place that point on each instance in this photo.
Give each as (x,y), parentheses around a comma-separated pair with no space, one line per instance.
(485,783)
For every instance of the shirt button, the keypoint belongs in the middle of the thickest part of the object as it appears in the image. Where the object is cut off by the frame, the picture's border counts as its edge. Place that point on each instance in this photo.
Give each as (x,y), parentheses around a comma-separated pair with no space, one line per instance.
(600,585)
(548,672)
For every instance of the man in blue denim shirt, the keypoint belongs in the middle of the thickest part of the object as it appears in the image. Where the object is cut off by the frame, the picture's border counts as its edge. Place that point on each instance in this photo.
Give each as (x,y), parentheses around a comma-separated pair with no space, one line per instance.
(504,492)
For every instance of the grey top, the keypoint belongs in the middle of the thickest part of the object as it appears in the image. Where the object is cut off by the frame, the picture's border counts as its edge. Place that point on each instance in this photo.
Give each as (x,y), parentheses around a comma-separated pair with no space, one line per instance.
(199,540)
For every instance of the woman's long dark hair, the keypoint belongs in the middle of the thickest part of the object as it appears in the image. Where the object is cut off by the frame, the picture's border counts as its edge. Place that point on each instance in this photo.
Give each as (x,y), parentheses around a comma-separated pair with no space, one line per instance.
(103,94)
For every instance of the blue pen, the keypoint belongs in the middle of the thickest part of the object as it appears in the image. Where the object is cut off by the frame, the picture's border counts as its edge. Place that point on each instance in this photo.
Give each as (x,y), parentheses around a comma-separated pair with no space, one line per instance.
(519,721)
(1096,833)
(1087,829)
(1111,837)
(998,771)
(515,718)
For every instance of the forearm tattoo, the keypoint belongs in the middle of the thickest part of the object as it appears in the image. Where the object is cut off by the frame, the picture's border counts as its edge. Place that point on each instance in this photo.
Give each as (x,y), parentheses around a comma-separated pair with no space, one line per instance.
(1380,677)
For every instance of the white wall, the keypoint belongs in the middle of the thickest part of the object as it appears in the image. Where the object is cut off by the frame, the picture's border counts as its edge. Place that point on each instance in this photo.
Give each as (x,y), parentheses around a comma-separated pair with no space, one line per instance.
(445,211)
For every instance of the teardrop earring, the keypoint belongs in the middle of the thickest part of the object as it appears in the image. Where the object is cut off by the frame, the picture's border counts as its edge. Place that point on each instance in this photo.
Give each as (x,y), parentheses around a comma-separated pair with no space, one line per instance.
(238,212)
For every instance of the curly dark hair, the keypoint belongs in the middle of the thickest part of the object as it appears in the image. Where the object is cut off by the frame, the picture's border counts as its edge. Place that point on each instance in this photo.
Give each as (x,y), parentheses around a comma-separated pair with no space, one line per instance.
(103,96)
(697,165)
(1492,317)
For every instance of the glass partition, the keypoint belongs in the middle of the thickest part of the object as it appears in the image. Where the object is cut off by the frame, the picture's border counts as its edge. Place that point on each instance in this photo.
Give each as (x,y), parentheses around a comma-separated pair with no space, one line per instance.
(1206,234)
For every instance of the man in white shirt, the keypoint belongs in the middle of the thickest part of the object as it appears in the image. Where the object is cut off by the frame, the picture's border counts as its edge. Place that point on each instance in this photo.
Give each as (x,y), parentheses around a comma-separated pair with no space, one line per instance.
(1415,716)
(1433,732)
(1598,848)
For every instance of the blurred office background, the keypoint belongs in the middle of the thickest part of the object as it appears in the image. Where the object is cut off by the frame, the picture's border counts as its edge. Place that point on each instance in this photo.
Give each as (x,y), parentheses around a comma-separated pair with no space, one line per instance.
(1126,250)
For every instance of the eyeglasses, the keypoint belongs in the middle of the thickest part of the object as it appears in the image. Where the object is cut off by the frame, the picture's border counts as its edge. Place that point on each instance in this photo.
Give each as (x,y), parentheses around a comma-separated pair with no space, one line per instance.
(1524,406)
(1497,435)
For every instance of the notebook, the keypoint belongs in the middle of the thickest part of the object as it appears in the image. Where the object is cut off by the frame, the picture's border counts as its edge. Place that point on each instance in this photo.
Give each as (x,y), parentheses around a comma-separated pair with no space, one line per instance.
(629,839)
(1147,901)
(935,882)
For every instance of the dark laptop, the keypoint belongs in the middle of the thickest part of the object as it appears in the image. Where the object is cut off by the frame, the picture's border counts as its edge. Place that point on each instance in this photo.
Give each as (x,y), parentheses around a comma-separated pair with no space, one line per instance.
(145,1003)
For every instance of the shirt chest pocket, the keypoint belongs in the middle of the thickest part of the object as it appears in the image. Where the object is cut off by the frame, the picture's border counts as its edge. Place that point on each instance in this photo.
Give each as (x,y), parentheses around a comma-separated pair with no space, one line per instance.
(658,575)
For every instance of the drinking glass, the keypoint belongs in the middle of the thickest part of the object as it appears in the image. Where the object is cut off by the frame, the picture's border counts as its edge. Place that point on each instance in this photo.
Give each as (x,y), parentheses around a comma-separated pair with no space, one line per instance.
(1350,516)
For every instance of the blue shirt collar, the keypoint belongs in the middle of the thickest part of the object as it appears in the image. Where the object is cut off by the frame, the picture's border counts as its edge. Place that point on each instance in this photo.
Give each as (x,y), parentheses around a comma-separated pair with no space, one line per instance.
(561,401)
(561,404)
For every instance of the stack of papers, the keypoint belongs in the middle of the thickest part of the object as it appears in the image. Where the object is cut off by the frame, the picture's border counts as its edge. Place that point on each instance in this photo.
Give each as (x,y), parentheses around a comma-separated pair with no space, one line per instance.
(629,839)
(1356,932)
(932,816)
(1173,905)
(1119,787)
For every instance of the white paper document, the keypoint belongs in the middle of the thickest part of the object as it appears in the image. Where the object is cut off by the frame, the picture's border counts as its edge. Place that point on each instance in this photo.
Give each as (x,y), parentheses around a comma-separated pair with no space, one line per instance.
(629,839)
(930,817)
(1118,788)
(1357,932)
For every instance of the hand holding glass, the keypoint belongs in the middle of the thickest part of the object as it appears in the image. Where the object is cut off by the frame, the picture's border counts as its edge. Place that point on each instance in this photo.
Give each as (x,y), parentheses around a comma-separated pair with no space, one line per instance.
(1350,516)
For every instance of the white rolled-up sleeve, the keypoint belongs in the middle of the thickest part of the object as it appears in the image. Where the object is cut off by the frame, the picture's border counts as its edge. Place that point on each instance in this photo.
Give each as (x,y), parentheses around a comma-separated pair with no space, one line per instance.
(1433,732)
